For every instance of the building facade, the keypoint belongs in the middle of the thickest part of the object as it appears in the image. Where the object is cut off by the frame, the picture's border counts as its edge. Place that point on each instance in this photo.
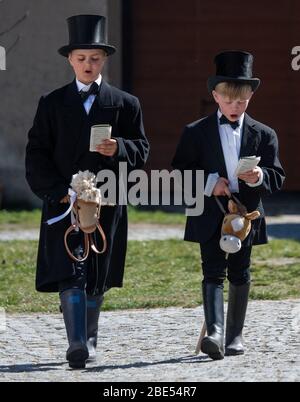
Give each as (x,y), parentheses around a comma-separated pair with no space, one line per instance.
(31,31)
(171,47)
(165,54)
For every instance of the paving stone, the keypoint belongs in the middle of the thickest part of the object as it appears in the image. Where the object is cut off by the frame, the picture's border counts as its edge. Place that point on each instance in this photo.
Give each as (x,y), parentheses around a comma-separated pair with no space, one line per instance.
(155,345)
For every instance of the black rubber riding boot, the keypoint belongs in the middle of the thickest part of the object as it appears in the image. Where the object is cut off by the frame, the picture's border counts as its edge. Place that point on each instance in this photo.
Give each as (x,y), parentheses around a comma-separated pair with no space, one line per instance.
(93,311)
(236,313)
(73,304)
(213,344)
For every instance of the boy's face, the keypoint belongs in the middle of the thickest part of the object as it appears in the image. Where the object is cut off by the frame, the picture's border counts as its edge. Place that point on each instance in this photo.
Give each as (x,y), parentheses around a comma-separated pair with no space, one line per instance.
(87,64)
(232,108)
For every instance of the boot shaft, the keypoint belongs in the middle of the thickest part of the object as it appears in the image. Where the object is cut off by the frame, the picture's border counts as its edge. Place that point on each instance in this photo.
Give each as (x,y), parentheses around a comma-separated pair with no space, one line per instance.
(73,305)
(94,304)
(213,303)
(236,311)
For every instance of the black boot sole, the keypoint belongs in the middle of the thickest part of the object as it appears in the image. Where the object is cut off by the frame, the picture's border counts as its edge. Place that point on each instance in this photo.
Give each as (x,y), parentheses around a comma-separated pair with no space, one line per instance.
(77,358)
(212,349)
(233,352)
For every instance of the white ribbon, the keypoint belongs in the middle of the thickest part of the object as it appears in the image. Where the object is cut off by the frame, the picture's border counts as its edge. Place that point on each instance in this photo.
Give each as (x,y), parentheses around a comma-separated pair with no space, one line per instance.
(73,197)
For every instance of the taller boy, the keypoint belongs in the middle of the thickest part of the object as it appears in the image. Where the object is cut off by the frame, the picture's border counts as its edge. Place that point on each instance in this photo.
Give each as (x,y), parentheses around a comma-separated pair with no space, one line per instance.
(58,147)
(214,145)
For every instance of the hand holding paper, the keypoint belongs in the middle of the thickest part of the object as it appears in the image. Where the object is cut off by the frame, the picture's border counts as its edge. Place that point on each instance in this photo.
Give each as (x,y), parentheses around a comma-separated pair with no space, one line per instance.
(99,133)
(108,147)
(246,164)
(248,170)
(101,140)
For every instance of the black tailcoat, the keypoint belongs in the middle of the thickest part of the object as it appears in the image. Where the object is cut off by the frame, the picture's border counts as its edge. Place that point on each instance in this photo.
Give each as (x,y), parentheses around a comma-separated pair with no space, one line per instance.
(58,147)
(200,148)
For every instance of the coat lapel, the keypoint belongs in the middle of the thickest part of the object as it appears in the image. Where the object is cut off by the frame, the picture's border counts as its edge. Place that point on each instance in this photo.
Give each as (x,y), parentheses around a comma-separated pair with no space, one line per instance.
(74,116)
(216,145)
(72,101)
(105,97)
(105,109)
(74,112)
(250,137)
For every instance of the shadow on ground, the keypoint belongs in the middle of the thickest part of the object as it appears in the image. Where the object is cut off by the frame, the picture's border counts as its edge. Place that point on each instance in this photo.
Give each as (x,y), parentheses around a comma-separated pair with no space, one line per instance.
(179,360)
(29,368)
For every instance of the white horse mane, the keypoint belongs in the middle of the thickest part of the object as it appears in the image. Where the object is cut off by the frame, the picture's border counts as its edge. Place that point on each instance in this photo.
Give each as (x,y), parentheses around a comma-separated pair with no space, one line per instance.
(85,185)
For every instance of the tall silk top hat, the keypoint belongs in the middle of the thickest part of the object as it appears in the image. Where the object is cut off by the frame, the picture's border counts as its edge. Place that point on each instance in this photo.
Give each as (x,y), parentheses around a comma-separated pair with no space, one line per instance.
(87,32)
(233,66)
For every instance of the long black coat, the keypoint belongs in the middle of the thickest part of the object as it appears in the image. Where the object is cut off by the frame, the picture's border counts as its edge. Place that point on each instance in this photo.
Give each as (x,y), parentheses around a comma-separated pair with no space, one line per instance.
(200,148)
(58,147)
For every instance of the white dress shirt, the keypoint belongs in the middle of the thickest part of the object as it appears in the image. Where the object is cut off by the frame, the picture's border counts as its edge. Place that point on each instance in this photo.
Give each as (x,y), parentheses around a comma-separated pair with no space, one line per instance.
(231,143)
(83,87)
(231,140)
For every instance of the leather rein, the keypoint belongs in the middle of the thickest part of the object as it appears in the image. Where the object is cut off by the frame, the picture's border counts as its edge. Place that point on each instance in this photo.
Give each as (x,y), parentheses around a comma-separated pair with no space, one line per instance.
(88,236)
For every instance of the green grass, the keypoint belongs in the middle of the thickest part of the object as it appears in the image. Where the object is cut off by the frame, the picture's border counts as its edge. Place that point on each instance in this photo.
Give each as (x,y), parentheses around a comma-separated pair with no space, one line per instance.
(158,274)
(158,217)
(14,220)
(26,219)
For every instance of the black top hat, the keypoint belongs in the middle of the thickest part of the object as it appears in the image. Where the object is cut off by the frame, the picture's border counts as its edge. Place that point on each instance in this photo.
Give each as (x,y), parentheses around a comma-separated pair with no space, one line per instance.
(87,32)
(233,66)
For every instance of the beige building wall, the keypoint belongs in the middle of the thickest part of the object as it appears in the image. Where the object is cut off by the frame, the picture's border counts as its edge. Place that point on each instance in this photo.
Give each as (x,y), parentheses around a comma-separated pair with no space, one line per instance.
(31,31)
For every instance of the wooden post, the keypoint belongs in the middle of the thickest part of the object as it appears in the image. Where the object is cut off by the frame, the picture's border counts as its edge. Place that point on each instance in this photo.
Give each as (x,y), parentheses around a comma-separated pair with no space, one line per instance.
(201,336)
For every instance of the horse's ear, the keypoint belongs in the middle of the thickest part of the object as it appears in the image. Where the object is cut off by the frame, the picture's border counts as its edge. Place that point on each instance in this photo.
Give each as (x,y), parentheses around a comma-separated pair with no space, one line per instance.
(232,207)
(253,215)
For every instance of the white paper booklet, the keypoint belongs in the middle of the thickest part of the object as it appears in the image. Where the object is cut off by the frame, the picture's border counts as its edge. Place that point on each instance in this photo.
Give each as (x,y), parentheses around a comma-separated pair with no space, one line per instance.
(99,133)
(247,163)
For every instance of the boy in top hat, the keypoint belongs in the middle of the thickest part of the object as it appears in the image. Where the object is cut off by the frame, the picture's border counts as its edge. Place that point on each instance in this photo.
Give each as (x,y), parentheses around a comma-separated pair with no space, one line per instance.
(214,145)
(58,147)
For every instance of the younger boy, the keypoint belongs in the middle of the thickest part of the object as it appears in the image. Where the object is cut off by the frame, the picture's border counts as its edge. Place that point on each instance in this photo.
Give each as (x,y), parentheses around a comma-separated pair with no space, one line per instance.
(215,144)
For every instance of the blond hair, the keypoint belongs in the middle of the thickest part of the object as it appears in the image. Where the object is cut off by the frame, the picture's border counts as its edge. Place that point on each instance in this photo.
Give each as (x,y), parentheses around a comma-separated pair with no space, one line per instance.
(234,90)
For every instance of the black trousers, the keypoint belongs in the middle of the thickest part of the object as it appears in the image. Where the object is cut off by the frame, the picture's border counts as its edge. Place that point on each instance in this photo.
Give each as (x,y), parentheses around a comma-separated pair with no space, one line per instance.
(85,274)
(216,267)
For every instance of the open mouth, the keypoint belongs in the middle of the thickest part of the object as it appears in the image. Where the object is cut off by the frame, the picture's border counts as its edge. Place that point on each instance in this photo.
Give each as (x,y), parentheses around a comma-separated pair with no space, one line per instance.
(234,116)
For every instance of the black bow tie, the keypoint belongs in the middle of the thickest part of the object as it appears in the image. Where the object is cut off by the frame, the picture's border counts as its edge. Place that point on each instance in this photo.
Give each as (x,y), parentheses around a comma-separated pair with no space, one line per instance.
(94,90)
(233,124)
